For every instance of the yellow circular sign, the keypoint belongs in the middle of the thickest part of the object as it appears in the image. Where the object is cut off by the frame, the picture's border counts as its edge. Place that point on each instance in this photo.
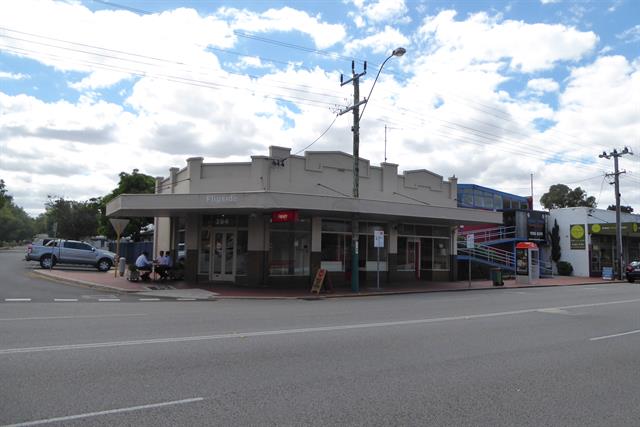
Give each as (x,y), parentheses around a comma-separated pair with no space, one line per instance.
(577,231)
(595,228)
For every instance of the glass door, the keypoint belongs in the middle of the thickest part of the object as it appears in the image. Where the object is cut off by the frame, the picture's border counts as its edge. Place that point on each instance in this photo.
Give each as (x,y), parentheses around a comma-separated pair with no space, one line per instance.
(223,261)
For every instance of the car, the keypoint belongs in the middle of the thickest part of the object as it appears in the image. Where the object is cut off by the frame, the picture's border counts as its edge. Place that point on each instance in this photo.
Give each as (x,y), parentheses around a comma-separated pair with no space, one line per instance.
(633,271)
(62,251)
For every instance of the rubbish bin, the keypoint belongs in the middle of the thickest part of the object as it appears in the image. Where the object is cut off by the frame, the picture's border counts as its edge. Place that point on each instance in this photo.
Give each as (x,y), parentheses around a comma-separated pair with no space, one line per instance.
(122,262)
(496,277)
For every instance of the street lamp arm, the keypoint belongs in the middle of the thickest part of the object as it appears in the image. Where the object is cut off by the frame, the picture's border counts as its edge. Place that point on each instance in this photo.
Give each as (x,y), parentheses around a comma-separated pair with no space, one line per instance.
(396,52)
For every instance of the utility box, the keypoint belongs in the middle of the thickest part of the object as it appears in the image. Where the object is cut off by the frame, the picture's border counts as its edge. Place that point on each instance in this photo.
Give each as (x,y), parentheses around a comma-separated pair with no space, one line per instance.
(527,263)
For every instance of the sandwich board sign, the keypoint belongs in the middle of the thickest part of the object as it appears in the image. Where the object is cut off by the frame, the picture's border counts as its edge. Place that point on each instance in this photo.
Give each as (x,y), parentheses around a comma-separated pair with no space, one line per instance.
(118,225)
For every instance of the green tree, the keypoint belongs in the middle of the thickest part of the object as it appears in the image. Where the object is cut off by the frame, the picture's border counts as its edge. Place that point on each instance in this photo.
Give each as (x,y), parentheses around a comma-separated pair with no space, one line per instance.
(15,224)
(562,196)
(133,183)
(72,219)
(625,209)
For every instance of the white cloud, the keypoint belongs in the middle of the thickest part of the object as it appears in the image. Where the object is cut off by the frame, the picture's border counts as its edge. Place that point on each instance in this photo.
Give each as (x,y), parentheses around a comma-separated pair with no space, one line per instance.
(549,1)
(381,42)
(543,85)
(13,76)
(482,38)
(323,34)
(630,35)
(385,10)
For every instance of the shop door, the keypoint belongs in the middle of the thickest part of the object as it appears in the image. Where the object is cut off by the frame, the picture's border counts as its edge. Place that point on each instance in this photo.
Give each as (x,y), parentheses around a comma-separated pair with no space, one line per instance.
(413,254)
(223,260)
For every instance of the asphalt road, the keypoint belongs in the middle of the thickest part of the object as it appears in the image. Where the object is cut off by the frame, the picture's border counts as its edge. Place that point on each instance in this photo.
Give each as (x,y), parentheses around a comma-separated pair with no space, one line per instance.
(564,356)
(18,282)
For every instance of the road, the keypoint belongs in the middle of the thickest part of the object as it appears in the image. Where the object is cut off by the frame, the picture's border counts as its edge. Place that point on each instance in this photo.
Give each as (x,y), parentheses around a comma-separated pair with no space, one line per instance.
(542,356)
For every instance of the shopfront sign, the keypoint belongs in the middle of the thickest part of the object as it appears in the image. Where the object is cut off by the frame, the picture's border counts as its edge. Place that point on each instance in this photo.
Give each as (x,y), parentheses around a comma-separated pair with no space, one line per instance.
(610,228)
(536,225)
(284,216)
(578,237)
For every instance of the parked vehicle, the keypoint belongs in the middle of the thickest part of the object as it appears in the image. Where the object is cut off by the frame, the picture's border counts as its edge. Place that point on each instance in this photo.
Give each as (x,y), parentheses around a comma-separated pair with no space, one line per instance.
(61,251)
(633,271)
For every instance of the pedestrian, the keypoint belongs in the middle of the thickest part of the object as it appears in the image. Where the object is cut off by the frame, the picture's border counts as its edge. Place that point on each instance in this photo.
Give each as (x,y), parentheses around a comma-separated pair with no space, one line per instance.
(143,264)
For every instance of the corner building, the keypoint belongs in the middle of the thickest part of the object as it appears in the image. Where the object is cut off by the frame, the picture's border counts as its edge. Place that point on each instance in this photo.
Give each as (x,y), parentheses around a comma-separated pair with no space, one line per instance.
(279,218)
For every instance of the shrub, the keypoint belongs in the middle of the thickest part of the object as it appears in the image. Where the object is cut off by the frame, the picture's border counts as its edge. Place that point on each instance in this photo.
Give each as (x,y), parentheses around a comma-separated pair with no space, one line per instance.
(564,268)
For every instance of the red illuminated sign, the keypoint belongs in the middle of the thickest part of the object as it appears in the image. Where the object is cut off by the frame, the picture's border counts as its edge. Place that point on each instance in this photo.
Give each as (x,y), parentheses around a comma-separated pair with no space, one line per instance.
(284,216)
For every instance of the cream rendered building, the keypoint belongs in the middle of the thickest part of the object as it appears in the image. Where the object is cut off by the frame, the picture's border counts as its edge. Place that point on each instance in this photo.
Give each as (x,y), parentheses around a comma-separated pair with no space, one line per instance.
(278,218)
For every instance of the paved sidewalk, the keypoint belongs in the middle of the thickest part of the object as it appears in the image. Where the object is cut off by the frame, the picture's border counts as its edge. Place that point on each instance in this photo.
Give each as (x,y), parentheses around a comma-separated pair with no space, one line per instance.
(182,290)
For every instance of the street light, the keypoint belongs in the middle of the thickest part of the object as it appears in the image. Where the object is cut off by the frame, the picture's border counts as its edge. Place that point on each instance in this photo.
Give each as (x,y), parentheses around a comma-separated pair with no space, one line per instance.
(355,286)
(399,51)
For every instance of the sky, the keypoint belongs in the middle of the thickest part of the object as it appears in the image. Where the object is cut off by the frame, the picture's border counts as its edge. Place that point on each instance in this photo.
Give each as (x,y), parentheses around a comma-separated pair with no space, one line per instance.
(493,92)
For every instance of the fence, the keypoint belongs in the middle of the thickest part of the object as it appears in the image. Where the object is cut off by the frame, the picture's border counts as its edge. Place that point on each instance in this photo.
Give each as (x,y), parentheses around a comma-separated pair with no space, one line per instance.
(131,250)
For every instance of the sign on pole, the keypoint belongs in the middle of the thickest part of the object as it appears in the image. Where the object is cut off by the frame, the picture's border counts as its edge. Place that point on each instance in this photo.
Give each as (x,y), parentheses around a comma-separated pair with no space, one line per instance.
(378,239)
(119,225)
(471,241)
(378,242)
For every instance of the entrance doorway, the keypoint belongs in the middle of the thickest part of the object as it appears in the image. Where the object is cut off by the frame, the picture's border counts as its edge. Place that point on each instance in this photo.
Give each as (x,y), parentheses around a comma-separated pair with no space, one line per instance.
(223,259)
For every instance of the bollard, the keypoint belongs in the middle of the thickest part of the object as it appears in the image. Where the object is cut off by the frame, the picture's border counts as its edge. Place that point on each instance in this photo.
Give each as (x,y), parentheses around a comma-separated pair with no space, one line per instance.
(121,265)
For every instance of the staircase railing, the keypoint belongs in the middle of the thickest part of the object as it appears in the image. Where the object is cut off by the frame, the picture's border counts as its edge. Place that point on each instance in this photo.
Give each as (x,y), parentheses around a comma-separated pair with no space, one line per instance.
(487,235)
(491,255)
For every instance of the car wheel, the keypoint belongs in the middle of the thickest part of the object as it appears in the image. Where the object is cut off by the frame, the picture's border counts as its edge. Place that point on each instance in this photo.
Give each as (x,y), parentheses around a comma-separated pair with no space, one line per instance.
(104,264)
(47,262)
(630,279)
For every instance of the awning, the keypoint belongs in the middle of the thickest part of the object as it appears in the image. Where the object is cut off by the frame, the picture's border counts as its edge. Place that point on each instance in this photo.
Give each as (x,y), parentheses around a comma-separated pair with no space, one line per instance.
(167,205)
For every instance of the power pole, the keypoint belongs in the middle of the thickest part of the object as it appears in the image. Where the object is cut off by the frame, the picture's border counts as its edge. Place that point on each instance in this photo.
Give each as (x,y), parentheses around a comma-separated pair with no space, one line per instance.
(355,78)
(616,176)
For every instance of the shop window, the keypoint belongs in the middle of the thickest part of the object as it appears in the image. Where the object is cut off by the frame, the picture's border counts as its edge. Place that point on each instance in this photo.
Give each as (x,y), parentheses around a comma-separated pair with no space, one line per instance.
(497,201)
(335,251)
(408,249)
(242,252)
(336,226)
(205,252)
(441,254)
(290,248)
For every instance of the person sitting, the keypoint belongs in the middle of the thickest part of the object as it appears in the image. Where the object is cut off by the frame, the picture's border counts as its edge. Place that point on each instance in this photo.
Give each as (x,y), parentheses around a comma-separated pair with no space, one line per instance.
(164,264)
(143,264)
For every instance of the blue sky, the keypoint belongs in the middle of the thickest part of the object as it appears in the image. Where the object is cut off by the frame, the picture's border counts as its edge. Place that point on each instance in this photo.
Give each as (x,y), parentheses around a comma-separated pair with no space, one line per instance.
(489,91)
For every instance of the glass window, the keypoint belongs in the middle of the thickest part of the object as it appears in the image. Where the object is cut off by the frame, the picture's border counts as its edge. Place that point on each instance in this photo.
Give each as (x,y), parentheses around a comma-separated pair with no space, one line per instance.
(408,249)
(242,252)
(497,201)
(424,230)
(467,197)
(335,251)
(441,254)
(205,252)
(336,225)
(289,252)
(408,229)
(440,231)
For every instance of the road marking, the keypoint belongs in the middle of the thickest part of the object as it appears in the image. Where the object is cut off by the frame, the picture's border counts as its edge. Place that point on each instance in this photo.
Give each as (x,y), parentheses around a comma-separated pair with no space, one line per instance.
(65,299)
(148,299)
(615,335)
(297,331)
(187,299)
(553,311)
(17,299)
(108,299)
(108,412)
(72,317)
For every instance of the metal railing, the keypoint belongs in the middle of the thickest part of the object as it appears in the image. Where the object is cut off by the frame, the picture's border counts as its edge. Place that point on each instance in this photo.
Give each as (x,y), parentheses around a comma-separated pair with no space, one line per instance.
(486,236)
(490,255)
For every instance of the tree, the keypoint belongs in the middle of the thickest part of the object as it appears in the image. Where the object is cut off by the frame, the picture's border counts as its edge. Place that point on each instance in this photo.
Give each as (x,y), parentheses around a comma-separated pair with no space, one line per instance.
(15,224)
(562,196)
(73,220)
(133,183)
(554,237)
(4,197)
(625,209)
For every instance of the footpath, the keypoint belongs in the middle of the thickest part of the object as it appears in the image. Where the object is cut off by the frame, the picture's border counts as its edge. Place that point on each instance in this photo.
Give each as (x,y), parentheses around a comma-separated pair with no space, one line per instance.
(180,289)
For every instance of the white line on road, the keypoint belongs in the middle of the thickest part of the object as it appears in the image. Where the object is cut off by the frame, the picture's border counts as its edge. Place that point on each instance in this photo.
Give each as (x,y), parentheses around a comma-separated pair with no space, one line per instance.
(148,299)
(187,299)
(615,335)
(297,331)
(72,317)
(108,412)
(108,299)
(65,299)
(17,299)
